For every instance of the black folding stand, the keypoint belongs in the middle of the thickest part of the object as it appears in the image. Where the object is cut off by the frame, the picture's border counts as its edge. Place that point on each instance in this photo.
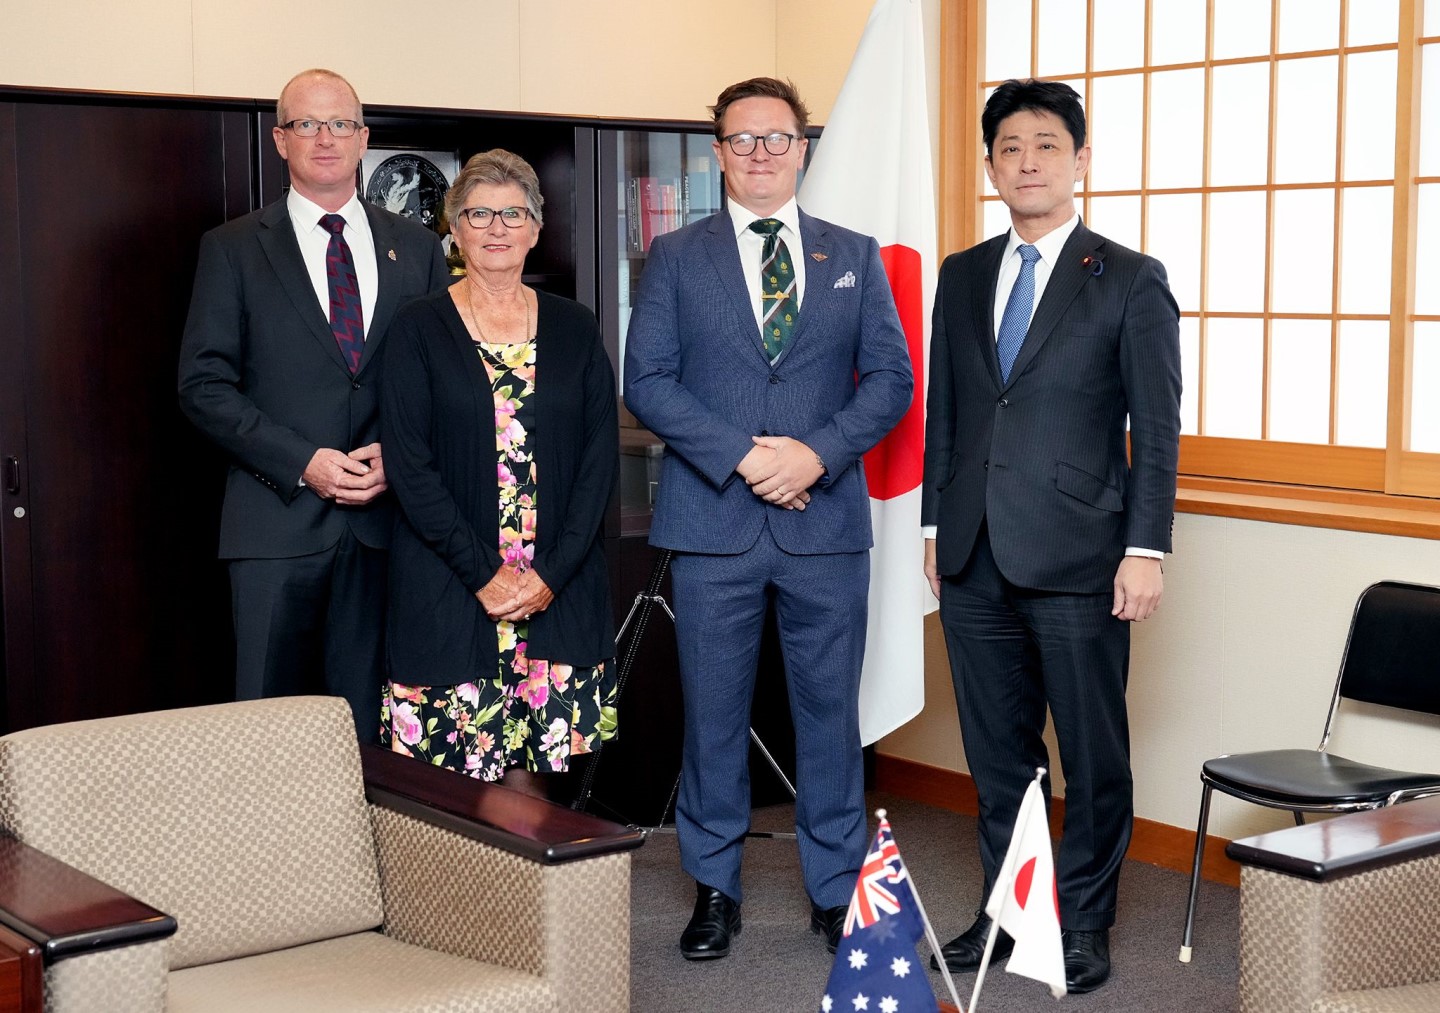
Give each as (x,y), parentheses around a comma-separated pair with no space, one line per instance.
(640,610)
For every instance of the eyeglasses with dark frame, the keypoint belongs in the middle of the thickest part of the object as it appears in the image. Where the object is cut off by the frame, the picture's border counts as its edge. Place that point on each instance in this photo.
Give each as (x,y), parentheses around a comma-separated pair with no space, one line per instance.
(744,144)
(480,218)
(309,128)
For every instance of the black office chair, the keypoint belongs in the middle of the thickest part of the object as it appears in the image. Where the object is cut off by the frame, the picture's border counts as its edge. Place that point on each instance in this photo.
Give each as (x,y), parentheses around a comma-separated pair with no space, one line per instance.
(1392,657)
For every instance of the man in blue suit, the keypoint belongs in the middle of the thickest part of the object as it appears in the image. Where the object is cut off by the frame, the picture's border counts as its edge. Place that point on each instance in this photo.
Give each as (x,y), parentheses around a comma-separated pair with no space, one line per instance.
(1052,437)
(766,351)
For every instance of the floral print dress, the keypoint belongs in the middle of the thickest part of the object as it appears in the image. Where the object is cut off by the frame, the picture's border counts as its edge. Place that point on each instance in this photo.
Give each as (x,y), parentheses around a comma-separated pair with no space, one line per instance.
(531,712)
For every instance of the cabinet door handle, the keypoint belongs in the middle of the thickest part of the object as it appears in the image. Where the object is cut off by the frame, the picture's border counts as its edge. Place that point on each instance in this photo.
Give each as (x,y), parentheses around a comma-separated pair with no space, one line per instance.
(12,475)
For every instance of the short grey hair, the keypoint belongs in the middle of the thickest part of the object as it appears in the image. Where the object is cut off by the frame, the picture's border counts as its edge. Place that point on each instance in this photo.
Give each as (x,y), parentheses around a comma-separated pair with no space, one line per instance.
(321,72)
(495,167)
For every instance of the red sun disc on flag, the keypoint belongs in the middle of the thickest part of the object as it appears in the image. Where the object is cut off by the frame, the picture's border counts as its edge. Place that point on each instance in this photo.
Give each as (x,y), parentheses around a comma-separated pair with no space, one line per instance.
(895,464)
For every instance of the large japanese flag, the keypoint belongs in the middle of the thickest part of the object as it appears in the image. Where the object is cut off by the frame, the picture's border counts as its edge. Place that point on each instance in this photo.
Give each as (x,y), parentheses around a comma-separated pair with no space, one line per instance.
(872,173)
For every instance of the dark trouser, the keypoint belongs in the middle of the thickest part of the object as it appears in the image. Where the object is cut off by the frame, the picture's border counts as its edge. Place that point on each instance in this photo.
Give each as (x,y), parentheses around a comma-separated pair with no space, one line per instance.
(1012,651)
(313,624)
(820,608)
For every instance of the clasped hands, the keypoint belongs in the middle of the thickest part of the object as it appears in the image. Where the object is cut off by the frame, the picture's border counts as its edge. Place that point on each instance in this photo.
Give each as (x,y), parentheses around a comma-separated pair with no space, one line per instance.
(352,479)
(514,594)
(781,470)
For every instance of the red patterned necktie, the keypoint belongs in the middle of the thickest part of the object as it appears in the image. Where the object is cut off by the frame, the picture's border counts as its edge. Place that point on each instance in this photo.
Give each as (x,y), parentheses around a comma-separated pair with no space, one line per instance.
(347,319)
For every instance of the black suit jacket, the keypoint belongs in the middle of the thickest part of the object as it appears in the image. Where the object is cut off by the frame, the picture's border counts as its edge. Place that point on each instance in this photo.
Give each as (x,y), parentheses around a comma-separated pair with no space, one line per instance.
(439,432)
(262,376)
(1042,459)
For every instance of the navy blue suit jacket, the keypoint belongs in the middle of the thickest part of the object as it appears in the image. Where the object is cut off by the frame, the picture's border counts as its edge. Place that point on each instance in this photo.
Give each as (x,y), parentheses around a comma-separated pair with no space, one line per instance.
(1042,459)
(696,374)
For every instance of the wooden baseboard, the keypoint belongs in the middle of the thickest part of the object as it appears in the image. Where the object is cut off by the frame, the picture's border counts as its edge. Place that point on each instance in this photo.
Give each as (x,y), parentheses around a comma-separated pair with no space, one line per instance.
(1154,843)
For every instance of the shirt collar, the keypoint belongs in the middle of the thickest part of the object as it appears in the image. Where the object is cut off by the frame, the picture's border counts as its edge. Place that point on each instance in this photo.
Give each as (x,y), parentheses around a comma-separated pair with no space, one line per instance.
(741,217)
(1049,245)
(306,214)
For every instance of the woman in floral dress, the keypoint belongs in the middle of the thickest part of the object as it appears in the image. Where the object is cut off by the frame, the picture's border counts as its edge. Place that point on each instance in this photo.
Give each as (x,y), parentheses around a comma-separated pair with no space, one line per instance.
(499,433)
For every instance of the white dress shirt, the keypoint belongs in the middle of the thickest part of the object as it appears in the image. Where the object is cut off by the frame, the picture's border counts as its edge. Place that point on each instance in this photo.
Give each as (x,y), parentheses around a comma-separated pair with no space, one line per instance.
(752,246)
(305,216)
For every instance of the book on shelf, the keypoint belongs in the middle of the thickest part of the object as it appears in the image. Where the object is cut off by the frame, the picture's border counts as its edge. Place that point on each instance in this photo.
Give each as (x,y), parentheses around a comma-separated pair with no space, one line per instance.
(632,216)
(658,209)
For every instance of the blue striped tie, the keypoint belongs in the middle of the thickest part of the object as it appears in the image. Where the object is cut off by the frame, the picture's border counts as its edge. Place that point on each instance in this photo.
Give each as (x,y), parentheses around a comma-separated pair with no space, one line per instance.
(1015,321)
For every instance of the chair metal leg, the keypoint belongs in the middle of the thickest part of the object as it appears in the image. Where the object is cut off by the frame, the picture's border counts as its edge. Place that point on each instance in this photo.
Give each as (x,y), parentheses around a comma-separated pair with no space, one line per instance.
(1185,948)
(1299,818)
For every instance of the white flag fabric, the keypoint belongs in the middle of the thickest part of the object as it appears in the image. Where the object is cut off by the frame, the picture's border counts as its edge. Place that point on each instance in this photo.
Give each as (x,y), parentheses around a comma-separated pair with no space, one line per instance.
(1025,901)
(872,172)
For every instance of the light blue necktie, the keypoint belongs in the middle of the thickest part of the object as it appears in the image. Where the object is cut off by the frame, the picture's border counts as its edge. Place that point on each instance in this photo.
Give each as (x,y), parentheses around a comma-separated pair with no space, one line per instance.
(1015,321)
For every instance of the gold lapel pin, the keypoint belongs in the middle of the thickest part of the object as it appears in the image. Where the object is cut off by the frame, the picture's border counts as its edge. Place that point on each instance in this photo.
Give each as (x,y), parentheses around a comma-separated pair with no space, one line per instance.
(817,257)
(392,254)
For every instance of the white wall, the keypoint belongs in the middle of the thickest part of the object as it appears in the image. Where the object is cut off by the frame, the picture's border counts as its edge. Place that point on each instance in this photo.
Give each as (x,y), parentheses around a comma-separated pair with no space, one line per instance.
(1242,655)
(662,59)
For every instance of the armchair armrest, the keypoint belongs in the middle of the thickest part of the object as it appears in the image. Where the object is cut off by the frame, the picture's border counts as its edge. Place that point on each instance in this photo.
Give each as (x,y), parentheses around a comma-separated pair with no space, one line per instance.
(67,913)
(481,871)
(529,827)
(1343,846)
(1339,914)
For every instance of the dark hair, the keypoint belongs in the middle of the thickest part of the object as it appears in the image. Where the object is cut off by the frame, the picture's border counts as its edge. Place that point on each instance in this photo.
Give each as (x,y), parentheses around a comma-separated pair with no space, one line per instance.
(1040,96)
(762,87)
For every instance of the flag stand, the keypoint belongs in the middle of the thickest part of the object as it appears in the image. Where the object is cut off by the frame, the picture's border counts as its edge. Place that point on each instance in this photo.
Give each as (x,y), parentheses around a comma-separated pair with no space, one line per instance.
(640,612)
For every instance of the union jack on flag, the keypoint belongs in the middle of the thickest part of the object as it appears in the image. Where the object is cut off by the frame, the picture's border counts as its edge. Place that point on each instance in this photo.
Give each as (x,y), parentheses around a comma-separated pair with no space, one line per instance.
(872,895)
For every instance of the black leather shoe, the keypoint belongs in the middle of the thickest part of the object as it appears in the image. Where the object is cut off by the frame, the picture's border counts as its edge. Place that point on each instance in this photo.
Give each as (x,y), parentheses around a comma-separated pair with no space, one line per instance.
(965,951)
(715,920)
(829,922)
(1087,959)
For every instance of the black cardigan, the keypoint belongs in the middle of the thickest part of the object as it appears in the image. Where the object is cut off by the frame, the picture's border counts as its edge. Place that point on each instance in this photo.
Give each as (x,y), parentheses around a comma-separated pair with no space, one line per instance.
(437,420)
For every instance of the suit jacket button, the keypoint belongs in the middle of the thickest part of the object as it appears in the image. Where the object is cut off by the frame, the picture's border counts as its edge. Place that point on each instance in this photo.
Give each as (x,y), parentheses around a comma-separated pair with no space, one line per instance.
(764,432)
(986,466)
(774,378)
(354,384)
(1004,403)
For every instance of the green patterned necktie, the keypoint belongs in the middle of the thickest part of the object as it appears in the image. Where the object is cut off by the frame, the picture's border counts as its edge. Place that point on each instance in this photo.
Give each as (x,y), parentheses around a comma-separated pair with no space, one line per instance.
(777,289)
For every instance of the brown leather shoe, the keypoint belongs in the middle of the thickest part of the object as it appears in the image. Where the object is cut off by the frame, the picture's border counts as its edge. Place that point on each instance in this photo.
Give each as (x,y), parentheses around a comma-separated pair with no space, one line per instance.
(1087,959)
(829,922)
(965,951)
(715,920)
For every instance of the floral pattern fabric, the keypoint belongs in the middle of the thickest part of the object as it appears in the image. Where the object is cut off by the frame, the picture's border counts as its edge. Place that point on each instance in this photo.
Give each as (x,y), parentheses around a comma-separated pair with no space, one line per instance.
(532,712)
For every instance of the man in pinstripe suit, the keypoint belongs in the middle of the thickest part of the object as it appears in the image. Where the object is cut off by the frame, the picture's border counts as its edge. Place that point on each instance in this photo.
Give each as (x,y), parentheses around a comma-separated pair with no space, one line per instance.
(763,496)
(1044,539)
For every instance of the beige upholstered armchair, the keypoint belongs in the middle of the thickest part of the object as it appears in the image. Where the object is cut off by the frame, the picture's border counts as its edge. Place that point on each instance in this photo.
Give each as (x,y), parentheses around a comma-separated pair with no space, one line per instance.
(235,857)
(1340,916)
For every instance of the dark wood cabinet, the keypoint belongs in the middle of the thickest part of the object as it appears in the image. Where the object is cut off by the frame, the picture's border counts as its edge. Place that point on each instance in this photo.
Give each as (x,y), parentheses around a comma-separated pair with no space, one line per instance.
(112,600)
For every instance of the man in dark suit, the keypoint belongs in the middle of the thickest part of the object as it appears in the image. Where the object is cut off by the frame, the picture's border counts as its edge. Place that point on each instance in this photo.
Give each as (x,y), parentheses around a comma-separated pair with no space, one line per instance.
(1044,540)
(766,351)
(278,367)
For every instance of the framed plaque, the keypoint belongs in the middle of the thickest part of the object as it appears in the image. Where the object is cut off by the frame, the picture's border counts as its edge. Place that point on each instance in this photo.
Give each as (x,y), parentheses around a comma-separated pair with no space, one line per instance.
(411,184)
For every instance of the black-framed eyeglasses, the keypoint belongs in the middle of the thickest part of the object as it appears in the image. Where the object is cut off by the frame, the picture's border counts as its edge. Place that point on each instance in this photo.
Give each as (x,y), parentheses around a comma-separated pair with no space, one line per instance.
(480,218)
(309,128)
(744,144)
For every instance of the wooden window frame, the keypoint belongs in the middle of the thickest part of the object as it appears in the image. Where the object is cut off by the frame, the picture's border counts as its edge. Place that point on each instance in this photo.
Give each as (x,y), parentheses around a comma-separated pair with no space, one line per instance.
(1390,490)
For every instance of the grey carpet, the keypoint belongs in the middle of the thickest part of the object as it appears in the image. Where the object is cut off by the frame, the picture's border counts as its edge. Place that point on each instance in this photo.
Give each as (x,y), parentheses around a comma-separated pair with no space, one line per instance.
(778,966)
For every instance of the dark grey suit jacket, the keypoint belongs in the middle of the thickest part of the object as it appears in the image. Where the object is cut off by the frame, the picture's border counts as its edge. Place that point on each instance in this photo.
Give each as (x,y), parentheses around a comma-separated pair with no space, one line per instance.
(262,376)
(1042,459)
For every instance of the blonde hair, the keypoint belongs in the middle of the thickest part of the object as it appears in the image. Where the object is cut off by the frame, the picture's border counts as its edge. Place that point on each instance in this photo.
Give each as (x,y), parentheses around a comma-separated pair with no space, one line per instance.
(319,72)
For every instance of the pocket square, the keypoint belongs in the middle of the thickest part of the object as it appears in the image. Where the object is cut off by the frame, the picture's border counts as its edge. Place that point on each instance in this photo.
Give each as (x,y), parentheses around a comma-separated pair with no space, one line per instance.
(847,280)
